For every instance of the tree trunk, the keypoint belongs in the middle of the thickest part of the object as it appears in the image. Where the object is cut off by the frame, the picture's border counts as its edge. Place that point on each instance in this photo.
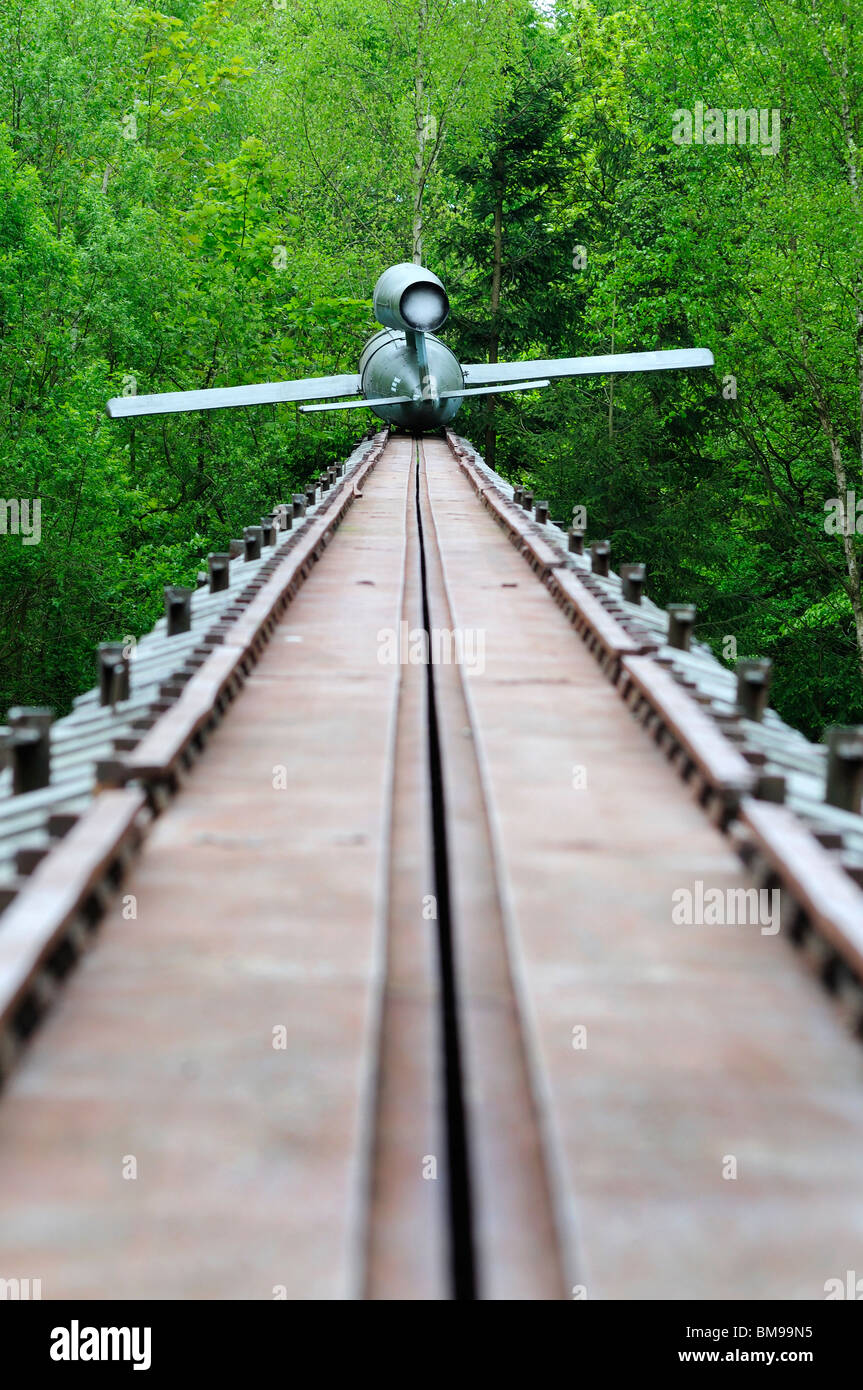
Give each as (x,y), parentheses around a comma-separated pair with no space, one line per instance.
(611,378)
(421,129)
(852,564)
(496,276)
(419,162)
(850,133)
(841,75)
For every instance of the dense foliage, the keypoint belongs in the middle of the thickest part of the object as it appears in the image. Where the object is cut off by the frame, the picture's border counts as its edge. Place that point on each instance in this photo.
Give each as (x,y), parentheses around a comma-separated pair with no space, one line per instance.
(204,195)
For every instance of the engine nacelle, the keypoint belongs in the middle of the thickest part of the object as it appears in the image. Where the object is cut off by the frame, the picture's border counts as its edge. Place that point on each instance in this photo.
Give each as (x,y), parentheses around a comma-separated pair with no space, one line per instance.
(410,298)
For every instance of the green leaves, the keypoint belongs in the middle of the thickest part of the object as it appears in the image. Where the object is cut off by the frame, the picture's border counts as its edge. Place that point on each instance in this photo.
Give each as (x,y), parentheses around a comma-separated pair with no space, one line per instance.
(207,197)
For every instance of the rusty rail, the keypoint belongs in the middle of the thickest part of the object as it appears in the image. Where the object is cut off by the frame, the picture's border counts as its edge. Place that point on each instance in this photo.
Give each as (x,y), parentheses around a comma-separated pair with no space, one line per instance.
(826,900)
(45,927)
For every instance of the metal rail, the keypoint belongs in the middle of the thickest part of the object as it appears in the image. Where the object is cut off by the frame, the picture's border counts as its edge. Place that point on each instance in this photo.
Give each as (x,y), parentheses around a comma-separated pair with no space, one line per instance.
(44,928)
(779,847)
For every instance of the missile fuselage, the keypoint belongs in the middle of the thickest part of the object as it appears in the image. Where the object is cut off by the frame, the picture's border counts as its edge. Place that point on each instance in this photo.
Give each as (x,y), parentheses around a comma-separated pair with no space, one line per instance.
(389,366)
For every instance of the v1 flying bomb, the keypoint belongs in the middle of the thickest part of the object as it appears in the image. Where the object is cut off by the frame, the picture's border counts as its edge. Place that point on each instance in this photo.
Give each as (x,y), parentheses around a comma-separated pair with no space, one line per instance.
(407,376)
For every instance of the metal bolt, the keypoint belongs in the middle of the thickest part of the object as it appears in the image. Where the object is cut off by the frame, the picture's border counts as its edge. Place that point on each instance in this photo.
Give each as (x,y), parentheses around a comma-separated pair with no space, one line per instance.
(845,767)
(218,565)
(61,822)
(30,745)
(178,609)
(541,512)
(113,672)
(311,494)
(299,504)
(527,500)
(517,495)
(286,513)
(771,786)
(681,621)
(600,553)
(632,581)
(753,687)
(253,539)
(39,717)
(268,528)
(576,540)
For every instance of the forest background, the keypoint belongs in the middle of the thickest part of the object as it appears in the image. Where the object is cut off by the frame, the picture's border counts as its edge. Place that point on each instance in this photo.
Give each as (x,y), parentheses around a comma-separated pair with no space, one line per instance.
(204,195)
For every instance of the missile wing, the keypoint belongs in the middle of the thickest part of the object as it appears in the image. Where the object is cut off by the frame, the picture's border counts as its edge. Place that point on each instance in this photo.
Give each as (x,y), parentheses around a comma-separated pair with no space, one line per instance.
(488,373)
(313,388)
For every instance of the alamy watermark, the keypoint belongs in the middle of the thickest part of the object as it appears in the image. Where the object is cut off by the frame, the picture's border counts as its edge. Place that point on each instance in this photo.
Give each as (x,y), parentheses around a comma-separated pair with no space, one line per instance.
(726,907)
(77,1343)
(21,518)
(844,515)
(20,1290)
(443,647)
(714,125)
(850,1287)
